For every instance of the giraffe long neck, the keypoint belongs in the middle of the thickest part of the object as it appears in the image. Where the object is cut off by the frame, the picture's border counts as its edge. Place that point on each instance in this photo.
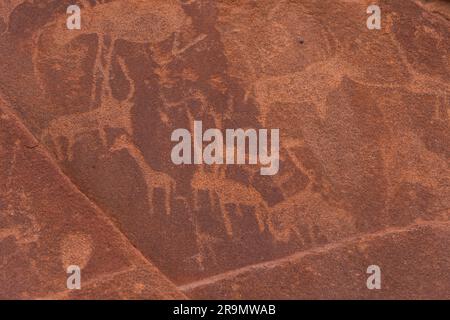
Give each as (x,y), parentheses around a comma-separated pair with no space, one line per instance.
(138,156)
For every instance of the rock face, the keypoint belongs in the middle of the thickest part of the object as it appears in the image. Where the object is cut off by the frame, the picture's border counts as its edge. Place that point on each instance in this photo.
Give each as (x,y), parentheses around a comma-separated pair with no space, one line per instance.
(86,120)
(48,225)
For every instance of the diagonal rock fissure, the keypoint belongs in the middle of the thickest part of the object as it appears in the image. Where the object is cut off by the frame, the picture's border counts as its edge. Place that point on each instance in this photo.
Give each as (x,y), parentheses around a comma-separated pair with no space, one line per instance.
(145,262)
(364,136)
(299,255)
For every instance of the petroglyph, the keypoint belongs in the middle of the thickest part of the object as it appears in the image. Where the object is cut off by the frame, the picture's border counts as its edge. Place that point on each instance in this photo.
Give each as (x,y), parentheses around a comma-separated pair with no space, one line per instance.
(111,114)
(363,117)
(164,17)
(154,179)
(229,192)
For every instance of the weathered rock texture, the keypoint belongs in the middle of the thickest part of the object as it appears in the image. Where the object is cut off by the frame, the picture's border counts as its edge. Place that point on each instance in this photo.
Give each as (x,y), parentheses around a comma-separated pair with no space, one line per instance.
(47,225)
(85,149)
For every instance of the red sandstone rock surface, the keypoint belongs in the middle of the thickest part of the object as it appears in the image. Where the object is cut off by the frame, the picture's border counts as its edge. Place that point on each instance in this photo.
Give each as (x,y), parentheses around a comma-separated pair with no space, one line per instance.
(86,117)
